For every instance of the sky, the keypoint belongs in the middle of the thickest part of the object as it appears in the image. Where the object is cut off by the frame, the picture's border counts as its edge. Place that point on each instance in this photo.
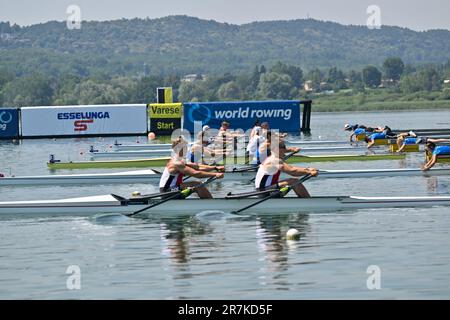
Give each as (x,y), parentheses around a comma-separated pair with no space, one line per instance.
(413,14)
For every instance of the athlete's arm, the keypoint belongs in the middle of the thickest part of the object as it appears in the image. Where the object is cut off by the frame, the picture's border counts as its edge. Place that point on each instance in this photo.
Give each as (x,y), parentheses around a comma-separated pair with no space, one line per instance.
(430,163)
(188,171)
(298,171)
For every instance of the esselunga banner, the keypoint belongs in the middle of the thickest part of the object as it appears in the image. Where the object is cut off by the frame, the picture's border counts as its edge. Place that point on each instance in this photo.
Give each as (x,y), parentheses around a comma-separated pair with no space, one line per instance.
(9,123)
(282,115)
(84,120)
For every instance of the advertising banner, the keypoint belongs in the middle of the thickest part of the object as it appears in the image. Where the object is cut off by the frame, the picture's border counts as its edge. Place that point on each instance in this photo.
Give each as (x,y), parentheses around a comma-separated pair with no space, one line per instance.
(165,117)
(84,120)
(281,115)
(9,123)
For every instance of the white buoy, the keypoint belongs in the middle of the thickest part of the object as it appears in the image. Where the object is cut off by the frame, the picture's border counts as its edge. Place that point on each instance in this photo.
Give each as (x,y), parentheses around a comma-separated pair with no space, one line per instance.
(293,234)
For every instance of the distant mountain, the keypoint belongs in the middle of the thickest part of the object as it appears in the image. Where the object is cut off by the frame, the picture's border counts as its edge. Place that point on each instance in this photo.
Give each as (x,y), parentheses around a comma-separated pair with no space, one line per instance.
(182,45)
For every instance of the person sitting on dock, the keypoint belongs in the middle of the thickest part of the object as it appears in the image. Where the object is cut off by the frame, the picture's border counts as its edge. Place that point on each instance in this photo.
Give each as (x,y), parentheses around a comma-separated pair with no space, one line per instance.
(433,151)
(269,172)
(177,168)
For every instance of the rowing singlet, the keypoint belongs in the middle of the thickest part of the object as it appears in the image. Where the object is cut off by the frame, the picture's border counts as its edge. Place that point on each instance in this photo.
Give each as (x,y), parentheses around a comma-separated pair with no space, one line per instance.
(441,150)
(410,141)
(264,179)
(378,135)
(359,131)
(168,181)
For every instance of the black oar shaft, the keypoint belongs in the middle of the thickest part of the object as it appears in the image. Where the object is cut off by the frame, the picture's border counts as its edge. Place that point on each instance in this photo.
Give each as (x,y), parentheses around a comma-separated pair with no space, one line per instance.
(276,193)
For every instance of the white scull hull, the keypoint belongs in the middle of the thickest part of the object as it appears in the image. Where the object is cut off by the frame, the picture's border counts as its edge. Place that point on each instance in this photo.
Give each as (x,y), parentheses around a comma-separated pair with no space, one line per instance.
(139,154)
(150,146)
(152,177)
(110,204)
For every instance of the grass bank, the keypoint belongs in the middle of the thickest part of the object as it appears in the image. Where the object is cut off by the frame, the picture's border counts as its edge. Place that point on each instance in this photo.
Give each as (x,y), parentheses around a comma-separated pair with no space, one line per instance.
(379,100)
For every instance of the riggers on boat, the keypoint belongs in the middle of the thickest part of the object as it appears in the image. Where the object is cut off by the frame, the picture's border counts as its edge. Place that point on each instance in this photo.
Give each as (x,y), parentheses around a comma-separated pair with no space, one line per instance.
(152,176)
(161,162)
(115,204)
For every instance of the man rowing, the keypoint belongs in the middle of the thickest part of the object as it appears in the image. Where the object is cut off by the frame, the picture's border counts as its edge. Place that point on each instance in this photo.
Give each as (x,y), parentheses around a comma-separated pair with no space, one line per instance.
(263,150)
(406,138)
(380,133)
(255,143)
(177,168)
(203,151)
(269,172)
(433,151)
(358,129)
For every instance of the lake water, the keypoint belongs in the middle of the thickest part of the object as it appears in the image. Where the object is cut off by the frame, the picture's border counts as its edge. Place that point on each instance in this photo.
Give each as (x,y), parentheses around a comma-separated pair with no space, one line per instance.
(214,255)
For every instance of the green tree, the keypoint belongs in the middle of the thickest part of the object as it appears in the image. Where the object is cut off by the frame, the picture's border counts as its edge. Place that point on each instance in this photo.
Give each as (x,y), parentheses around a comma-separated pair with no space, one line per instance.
(189,91)
(229,91)
(336,78)
(274,86)
(371,76)
(296,73)
(393,68)
(34,90)
(316,76)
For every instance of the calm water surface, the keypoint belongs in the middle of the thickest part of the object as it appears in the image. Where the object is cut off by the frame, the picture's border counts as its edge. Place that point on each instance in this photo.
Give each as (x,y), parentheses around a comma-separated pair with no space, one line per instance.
(215,255)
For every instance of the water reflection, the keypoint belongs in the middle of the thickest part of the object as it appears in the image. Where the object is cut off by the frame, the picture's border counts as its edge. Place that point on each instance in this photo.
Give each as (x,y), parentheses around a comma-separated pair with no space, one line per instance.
(177,235)
(271,239)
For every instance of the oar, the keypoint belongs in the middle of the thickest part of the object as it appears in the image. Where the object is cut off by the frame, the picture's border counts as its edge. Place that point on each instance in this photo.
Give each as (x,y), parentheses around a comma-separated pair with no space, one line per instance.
(184,193)
(283,191)
(284,159)
(254,168)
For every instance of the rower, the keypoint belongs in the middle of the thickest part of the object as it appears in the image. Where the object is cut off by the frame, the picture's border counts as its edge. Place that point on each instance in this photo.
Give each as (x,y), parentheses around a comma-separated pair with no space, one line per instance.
(406,138)
(380,133)
(200,150)
(264,150)
(254,144)
(206,132)
(256,127)
(269,172)
(358,129)
(266,128)
(177,168)
(433,151)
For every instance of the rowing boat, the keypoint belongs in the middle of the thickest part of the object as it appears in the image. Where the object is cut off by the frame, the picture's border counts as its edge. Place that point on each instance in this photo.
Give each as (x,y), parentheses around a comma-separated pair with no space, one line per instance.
(149,176)
(153,146)
(161,162)
(137,154)
(115,204)
(139,176)
(443,159)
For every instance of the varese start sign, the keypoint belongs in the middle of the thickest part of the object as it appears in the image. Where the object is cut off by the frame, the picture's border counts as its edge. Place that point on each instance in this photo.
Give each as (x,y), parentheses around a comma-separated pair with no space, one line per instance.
(84,120)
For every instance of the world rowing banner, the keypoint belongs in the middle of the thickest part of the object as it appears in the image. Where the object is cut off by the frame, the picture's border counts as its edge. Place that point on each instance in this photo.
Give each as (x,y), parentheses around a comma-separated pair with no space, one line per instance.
(84,120)
(9,123)
(282,115)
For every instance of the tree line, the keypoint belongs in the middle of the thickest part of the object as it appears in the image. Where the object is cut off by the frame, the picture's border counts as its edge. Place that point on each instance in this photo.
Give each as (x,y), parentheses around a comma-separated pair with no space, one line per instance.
(278,81)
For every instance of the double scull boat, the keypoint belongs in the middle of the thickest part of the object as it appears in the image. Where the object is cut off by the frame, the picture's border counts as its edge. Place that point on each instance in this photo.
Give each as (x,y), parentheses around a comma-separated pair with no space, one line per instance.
(162,161)
(151,176)
(115,204)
